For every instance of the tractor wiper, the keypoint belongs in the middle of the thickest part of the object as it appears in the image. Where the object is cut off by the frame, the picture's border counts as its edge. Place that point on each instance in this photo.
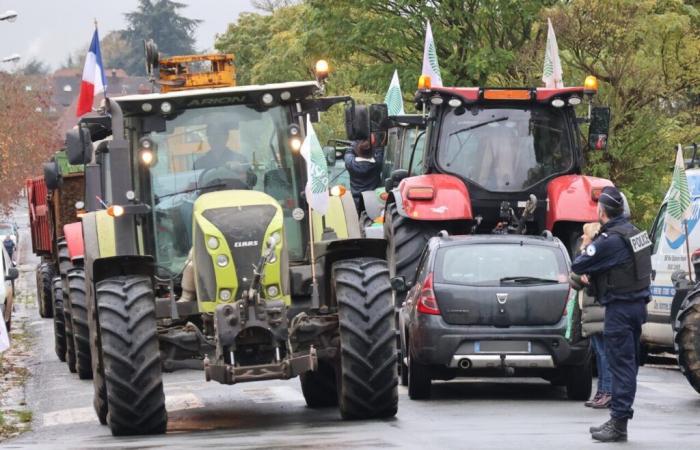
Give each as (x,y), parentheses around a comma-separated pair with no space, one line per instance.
(472,127)
(523,279)
(186,191)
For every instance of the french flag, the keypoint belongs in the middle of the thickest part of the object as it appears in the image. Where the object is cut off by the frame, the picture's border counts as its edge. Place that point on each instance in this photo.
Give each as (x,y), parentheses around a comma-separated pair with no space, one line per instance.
(93,77)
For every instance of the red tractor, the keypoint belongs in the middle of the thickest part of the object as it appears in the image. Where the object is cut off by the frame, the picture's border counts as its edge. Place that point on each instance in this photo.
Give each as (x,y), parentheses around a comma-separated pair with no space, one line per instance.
(495,161)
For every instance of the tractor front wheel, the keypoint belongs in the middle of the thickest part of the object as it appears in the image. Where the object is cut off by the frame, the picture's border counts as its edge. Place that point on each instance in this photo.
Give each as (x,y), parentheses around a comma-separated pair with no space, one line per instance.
(366,374)
(79,317)
(44,277)
(127,323)
(687,339)
(59,326)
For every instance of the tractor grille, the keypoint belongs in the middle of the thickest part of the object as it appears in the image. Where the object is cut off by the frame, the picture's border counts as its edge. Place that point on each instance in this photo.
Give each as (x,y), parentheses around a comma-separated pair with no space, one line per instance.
(244,228)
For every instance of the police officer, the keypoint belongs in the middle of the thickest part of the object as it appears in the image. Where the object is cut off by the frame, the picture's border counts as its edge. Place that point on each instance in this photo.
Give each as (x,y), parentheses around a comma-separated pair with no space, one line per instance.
(618,266)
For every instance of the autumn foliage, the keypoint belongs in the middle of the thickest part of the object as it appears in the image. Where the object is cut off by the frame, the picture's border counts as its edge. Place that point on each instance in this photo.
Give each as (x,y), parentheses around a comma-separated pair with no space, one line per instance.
(28,134)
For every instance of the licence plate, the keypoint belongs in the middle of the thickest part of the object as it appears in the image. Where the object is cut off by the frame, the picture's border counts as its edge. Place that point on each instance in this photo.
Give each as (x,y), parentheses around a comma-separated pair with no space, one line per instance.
(503,347)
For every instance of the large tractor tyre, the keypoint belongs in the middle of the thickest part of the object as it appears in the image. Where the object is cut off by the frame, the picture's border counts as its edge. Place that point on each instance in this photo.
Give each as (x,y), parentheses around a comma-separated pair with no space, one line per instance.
(68,321)
(59,327)
(579,380)
(319,387)
(366,373)
(365,221)
(99,383)
(45,276)
(406,239)
(127,324)
(687,339)
(79,316)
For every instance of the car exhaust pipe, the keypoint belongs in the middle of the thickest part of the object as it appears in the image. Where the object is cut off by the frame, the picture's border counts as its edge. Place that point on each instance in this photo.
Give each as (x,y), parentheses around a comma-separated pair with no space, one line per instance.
(464,363)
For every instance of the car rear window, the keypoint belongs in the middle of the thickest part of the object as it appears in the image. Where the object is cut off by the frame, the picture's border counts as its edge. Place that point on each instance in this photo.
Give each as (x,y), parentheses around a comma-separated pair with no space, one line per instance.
(489,264)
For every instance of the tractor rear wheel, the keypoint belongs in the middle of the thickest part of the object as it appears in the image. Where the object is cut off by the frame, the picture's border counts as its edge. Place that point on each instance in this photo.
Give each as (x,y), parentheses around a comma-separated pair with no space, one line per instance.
(365,221)
(99,383)
(59,327)
(366,374)
(79,316)
(687,339)
(319,387)
(65,265)
(45,277)
(127,323)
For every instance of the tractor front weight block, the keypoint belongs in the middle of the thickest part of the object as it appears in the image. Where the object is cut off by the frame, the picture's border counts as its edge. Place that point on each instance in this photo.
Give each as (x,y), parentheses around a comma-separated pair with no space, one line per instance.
(290,367)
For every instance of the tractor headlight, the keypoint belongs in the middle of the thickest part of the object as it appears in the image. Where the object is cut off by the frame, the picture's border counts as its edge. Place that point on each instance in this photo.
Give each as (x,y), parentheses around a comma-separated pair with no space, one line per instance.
(273,291)
(225,294)
(166,108)
(213,243)
(222,260)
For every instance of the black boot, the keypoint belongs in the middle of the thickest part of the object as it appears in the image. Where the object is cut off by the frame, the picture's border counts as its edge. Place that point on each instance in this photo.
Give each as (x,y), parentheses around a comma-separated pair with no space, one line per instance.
(614,431)
(599,427)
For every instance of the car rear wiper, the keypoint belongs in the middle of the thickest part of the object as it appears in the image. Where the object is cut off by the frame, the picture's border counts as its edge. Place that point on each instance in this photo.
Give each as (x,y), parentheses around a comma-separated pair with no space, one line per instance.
(523,279)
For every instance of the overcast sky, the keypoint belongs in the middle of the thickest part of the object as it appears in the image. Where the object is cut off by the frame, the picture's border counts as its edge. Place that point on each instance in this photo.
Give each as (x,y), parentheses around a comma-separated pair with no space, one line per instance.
(49,30)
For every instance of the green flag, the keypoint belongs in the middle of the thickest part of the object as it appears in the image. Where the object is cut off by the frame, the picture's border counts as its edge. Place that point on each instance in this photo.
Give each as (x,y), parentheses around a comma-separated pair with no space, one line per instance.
(393,97)
(316,170)
(679,207)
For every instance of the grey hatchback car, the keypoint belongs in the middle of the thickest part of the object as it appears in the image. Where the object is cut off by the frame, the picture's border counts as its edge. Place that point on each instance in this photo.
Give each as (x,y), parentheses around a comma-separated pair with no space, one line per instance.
(491,305)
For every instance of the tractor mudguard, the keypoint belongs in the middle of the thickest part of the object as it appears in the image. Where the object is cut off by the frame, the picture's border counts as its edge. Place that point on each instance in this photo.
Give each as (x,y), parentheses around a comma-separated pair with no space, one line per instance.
(374,206)
(115,266)
(433,197)
(73,233)
(570,199)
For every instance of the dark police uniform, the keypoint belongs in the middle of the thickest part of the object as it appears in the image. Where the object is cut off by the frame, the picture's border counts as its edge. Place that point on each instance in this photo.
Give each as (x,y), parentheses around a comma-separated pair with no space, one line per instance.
(618,263)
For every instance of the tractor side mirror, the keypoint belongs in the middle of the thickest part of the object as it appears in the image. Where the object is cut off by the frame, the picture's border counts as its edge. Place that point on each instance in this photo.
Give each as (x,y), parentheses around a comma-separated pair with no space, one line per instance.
(398,175)
(331,155)
(399,284)
(12,274)
(79,146)
(599,128)
(357,123)
(378,117)
(51,176)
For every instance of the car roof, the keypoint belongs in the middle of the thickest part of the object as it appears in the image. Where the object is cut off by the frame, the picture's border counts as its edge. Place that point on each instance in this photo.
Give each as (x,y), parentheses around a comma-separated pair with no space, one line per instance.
(508,239)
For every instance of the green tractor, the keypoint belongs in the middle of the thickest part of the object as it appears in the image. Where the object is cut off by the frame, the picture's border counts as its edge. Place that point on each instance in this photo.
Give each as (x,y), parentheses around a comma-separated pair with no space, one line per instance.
(199,245)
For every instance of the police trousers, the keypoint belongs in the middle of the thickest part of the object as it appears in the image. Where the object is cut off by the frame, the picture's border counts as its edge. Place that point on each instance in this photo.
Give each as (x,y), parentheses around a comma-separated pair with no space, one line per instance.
(623,328)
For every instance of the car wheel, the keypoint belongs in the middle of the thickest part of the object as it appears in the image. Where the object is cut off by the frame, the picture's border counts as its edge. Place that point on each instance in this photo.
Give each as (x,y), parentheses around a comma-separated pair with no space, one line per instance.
(418,379)
(579,381)
(403,368)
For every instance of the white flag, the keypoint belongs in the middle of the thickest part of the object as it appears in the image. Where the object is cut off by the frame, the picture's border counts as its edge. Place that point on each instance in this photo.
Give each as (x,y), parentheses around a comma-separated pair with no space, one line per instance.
(393,97)
(4,334)
(316,170)
(552,74)
(679,206)
(430,59)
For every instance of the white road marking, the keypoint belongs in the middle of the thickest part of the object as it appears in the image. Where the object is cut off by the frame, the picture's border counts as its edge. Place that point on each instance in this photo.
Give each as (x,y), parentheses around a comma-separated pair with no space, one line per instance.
(274,394)
(87,414)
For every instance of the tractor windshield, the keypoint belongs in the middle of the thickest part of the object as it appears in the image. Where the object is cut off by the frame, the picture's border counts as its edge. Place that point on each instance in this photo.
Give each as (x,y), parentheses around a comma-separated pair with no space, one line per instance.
(209,149)
(505,149)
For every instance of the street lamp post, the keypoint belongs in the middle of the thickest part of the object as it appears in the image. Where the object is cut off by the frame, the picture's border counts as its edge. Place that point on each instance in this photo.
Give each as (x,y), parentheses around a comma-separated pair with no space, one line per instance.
(9,15)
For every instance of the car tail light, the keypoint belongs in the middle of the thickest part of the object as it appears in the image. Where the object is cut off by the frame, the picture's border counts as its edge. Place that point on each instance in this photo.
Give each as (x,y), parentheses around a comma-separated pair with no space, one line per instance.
(427,304)
(695,256)
(420,193)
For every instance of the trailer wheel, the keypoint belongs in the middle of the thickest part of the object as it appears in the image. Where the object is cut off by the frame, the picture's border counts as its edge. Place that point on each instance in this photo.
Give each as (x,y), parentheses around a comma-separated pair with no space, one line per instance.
(79,316)
(366,373)
(319,387)
(687,339)
(59,327)
(45,295)
(127,323)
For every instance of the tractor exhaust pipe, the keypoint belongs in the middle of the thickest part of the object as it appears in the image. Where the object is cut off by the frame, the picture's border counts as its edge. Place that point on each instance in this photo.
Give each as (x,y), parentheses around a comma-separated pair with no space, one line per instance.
(464,363)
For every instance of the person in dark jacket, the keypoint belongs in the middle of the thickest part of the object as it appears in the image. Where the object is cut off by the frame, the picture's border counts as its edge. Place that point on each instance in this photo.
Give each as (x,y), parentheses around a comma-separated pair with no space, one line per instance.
(9,246)
(618,265)
(364,165)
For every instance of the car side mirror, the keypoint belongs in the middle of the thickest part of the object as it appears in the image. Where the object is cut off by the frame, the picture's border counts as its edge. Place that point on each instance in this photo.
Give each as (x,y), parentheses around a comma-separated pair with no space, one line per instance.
(399,284)
(599,128)
(330,155)
(12,274)
(52,178)
(79,146)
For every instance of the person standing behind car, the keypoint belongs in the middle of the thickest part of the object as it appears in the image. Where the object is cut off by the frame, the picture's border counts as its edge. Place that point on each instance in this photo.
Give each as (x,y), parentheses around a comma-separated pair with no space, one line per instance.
(592,318)
(9,245)
(364,165)
(618,264)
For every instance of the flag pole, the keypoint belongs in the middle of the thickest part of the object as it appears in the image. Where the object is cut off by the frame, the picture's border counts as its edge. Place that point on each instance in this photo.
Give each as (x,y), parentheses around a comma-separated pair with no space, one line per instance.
(687,250)
(315,300)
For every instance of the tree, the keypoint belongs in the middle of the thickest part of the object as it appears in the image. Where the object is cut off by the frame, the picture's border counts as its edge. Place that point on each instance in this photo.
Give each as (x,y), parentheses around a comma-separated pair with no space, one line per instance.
(27,135)
(158,20)
(115,49)
(35,67)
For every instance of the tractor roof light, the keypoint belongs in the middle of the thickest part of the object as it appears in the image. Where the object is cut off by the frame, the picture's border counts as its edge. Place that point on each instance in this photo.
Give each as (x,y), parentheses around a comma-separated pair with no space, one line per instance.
(574,100)
(321,69)
(338,190)
(455,102)
(166,107)
(424,82)
(267,99)
(558,103)
(590,85)
(436,100)
(295,144)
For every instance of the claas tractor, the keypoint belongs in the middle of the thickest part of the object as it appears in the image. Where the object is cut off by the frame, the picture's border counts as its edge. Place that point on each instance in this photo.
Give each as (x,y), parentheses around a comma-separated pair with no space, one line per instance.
(495,160)
(198,240)
(57,238)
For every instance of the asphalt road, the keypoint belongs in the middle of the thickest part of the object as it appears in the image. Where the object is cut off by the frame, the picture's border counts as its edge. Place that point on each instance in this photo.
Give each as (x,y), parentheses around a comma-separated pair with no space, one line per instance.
(491,414)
